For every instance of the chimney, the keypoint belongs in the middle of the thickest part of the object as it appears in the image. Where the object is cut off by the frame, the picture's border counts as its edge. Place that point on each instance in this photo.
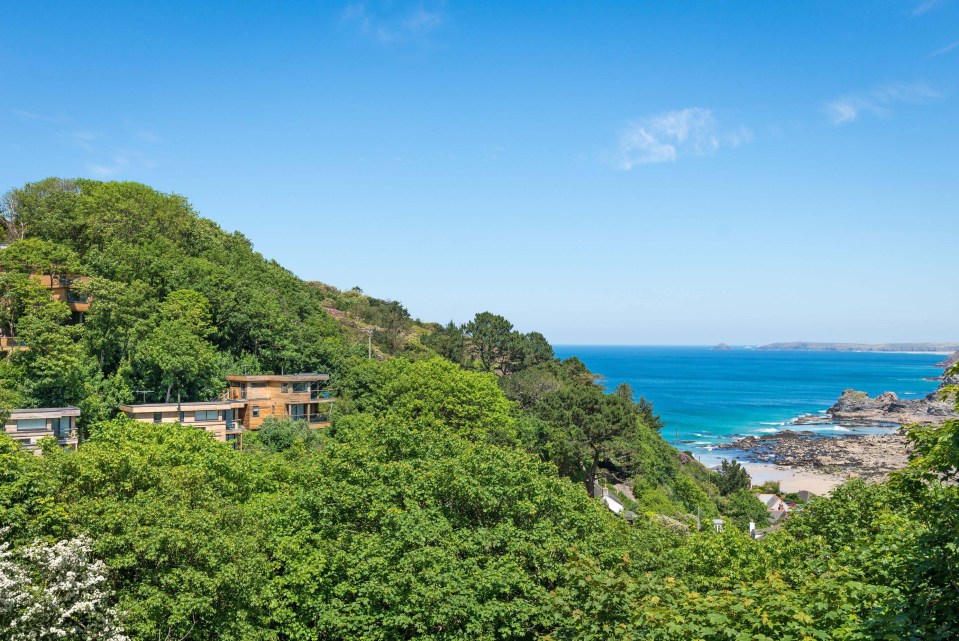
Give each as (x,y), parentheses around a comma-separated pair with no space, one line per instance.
(605,492)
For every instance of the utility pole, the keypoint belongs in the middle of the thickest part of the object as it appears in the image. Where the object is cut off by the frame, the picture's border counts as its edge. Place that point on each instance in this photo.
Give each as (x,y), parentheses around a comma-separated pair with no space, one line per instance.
(144,392)
(369,344)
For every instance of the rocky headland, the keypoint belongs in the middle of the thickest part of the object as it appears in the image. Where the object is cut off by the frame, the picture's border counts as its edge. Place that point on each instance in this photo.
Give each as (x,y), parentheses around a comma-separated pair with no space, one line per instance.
(949,361)
(858,408)
(870,456)
(806,346)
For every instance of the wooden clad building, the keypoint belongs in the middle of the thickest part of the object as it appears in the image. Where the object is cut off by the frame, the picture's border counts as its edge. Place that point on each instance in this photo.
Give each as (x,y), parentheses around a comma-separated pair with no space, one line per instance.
(27,426)
(298,396)
(66,289)
(222,419)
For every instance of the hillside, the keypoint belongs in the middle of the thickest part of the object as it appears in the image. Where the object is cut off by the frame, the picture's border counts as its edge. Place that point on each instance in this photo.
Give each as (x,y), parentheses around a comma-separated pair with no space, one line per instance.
(178,303)
(449,499)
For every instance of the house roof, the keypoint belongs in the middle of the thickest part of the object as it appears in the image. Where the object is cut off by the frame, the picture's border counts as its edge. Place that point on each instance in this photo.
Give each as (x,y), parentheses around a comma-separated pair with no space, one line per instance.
(280,378)
(45,412)
(172,407)
(770,500)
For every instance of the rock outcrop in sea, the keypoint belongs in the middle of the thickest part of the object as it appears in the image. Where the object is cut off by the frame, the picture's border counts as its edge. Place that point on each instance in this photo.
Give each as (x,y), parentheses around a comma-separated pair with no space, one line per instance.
(858,408)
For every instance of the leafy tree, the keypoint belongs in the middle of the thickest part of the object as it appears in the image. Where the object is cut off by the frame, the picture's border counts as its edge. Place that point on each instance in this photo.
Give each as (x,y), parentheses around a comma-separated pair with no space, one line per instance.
(393,321)
(490,338)
(741,508)
(587,428)
(282,435)
(175,353)
(448,341)
(53,369)
(732,477)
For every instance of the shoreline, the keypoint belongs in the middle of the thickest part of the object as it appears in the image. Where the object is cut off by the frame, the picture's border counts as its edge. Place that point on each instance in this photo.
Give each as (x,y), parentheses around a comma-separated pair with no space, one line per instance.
(791,479)
(809,461)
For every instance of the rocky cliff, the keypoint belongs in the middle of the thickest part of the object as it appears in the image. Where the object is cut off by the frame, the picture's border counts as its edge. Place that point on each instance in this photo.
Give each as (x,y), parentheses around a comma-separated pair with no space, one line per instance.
(949,361)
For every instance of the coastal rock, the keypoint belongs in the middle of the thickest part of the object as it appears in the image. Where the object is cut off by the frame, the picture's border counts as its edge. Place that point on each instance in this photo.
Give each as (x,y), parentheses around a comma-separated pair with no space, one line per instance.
(858,408)
(722,347)
(870,456)
(949,361)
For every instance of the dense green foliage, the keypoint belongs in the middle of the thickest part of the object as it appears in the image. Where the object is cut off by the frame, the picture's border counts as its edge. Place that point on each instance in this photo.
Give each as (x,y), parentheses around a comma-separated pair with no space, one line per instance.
(445,502)
(178,302)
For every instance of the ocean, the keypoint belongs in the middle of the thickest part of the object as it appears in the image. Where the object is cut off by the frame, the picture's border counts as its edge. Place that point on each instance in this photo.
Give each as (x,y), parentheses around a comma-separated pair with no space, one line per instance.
(707,397)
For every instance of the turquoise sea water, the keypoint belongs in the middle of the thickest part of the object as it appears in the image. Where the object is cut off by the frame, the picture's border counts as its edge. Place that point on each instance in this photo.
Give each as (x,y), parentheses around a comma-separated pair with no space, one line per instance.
(708,396)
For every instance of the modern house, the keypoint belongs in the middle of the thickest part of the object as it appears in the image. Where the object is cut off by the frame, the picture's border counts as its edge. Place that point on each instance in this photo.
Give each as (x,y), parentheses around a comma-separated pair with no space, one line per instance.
(222,419)
(27,426)
(248,402)
(64,288)
(301,397)
(67,289)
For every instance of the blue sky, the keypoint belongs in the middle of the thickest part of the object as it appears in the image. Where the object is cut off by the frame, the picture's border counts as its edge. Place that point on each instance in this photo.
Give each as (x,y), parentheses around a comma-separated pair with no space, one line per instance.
(646,173)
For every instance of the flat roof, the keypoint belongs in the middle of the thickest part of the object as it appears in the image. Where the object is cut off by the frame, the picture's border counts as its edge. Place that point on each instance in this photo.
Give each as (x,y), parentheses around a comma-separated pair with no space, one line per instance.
(43,412)
(280,378)
(159,407)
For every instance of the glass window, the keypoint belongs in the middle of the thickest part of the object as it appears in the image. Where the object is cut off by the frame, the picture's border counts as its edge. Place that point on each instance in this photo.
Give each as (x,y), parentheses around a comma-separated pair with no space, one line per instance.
(256,411)
(31,424)
(299,388)
(285,388)
(257,384)
(158,417)
(206,415)
(182,416)
(297,411)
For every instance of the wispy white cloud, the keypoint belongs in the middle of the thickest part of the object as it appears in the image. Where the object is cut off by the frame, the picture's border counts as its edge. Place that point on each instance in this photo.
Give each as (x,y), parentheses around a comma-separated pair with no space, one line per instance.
(145,135)
(925,7)
(395,23)
(29,115)
(668,136)
(949,47)
(106,153)
(878,102)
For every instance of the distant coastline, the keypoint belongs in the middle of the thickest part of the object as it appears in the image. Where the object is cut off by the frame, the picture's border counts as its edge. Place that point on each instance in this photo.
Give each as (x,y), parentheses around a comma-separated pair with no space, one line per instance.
(916,348)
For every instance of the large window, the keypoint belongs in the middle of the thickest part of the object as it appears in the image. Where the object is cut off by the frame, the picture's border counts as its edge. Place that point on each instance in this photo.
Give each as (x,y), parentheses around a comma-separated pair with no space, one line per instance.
(300,388)
(205,415)
(297,411)
(158,417)
(31,424)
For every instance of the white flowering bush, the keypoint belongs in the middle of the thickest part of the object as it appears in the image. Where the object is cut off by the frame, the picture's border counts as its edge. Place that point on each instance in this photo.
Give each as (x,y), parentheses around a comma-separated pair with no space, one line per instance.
(55,592)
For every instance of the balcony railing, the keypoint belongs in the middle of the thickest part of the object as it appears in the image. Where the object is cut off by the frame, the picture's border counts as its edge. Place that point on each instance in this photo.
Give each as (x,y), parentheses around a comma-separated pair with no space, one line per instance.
(319,418)
(320,394)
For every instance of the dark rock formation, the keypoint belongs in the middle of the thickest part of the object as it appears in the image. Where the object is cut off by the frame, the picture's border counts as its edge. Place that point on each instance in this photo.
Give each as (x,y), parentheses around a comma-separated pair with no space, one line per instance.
(858,408)
(869,456)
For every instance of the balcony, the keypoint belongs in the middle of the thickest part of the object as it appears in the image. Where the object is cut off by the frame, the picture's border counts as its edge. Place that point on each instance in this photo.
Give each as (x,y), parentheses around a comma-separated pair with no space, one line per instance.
(321,395)
(319,418)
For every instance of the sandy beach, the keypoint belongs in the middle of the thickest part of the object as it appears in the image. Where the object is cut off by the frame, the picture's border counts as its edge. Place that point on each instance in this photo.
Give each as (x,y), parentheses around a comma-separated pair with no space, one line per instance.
(791,480)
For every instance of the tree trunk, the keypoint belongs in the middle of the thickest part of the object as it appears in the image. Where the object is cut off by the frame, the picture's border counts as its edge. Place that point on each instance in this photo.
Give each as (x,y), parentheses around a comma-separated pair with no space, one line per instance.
(591,474)
(169,389)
